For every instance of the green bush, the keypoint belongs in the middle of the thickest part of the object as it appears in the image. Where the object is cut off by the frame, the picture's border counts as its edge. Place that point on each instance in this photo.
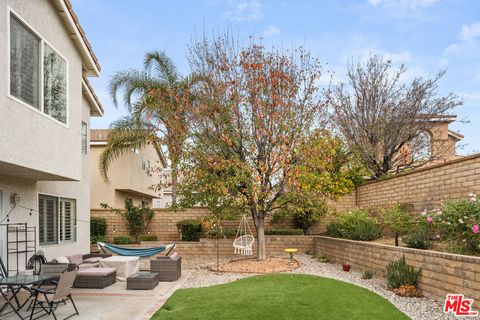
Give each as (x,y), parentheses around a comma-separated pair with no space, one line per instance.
(419,239)
(190,229)
(95,239)
(98,229)
(122,240)
(333,230)
(227,233)
(459,221)
(399,273)
(397,220)
(278,232)
(322,257)
(366,231)
(355,225)
(309,212)
(367,274)
(148,237)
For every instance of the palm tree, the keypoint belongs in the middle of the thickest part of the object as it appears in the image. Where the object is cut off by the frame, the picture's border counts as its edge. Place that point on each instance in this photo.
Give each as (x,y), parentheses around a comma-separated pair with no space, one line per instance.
(158,99)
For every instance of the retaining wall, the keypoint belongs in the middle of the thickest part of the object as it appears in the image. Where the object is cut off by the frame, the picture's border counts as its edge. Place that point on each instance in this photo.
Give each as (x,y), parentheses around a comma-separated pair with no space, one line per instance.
(441,273)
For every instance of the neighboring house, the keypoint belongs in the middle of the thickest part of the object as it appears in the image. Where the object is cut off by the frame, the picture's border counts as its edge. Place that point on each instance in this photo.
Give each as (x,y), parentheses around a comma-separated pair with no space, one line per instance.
(45,107)
(128,176)
(438,144)
(165,196)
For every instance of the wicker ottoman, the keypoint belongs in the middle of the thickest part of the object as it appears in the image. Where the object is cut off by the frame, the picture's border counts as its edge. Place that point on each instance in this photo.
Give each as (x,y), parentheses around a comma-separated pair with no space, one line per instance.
(95,278)
(168,269)
(142,281)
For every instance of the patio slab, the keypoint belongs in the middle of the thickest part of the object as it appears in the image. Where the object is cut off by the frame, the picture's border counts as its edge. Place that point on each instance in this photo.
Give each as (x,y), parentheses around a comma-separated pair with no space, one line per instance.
(116,302)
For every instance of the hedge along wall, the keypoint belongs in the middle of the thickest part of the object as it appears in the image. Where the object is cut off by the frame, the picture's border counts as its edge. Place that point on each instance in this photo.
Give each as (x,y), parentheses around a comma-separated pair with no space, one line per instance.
(164,222)
(442,273)
(423,188)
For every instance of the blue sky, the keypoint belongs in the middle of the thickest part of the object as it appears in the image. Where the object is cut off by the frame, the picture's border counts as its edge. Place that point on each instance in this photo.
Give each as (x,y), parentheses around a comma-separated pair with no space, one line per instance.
(425,35)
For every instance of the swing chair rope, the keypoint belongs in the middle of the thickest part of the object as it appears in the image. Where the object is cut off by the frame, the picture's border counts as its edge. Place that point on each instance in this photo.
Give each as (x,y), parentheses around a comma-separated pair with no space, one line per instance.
(243,242)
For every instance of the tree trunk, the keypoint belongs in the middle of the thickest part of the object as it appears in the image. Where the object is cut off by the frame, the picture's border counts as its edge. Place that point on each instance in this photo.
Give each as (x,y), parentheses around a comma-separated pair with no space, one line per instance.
(174,184)
(261,251)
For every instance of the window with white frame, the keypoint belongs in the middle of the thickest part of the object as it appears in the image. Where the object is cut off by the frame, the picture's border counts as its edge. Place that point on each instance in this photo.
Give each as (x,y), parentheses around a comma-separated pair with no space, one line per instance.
(84,138)
(57,220)
(36,71)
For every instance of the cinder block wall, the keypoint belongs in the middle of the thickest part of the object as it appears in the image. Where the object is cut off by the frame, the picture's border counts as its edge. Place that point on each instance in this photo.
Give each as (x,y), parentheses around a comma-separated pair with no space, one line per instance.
(423,188)
(442,273)
(164,222)
(275,246)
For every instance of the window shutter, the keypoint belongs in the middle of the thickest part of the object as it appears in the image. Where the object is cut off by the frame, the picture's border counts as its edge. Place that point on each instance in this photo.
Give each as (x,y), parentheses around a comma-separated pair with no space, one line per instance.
(47,219)
(41,220)
(68,219)
(51,217)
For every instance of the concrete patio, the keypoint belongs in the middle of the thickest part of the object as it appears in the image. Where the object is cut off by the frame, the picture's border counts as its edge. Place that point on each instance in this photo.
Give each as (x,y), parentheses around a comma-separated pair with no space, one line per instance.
(115,302)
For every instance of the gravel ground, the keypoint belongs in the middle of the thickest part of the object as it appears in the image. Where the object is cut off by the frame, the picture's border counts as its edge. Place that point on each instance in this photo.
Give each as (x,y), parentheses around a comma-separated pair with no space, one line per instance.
(425,308)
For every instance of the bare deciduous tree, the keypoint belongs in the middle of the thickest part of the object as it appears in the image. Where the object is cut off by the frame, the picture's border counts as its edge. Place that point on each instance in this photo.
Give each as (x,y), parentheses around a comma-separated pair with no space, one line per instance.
(382,116)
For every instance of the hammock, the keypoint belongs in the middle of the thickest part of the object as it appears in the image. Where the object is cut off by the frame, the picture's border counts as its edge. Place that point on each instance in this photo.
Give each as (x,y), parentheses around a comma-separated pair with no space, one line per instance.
(137,252)
(243,242)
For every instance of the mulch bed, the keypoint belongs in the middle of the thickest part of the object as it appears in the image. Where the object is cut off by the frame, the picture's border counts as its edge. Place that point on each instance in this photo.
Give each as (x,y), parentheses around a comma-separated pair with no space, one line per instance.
(269,265)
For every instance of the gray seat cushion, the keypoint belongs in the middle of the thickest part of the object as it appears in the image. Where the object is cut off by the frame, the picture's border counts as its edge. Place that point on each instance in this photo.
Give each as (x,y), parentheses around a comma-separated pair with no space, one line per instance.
(84,266)
(96,272)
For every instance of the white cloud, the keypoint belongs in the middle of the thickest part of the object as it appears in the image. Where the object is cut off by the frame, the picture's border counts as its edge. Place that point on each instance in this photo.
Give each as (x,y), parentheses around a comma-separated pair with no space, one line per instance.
(244,10)
(471,31)
(467,46)
(403,4)
(271,31)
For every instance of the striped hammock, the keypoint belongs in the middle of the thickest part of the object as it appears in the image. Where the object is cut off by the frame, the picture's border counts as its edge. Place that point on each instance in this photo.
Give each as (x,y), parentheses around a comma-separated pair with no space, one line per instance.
(135,252)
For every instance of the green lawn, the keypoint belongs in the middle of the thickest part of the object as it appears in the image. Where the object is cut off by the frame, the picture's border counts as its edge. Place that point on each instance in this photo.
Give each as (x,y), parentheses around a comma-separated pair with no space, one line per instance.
(279,296)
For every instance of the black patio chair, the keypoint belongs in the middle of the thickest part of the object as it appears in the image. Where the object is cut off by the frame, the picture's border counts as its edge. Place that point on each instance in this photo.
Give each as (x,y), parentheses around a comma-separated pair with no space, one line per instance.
(6,294)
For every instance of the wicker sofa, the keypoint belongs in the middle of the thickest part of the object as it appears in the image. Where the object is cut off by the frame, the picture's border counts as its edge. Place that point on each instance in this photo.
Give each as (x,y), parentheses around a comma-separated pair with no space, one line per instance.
(95,278)
(89,274)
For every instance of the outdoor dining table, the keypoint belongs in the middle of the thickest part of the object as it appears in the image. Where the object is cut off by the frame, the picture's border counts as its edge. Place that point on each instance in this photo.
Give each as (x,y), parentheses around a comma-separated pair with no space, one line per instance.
(15,283)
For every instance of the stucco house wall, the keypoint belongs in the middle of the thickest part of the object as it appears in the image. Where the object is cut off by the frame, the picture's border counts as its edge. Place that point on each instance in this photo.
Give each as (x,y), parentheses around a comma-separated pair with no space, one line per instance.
(38,154)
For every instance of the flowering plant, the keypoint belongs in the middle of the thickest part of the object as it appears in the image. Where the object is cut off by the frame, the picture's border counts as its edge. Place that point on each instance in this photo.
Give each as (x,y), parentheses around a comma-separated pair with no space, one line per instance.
(458,221)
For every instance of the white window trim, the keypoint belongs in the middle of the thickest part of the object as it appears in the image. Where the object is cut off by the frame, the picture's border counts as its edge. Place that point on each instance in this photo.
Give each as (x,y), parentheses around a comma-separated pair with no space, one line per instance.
(86,138)
(59,242)
(10,11)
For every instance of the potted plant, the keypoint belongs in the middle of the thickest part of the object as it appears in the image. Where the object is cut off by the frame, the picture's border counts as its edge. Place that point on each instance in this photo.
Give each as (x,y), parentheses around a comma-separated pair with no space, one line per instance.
(346,267)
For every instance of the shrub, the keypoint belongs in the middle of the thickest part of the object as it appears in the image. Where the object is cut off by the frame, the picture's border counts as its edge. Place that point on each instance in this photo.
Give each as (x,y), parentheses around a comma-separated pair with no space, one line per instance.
(293,232)
(95,239)
(366,231)
(333,230)
(122,240)
(355,225)
(322,257)
(227,233)
(148,237)
(459,221)
(399,273)
(98,230)
(367,274)
(397,220)
(419,239)
(190,230)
